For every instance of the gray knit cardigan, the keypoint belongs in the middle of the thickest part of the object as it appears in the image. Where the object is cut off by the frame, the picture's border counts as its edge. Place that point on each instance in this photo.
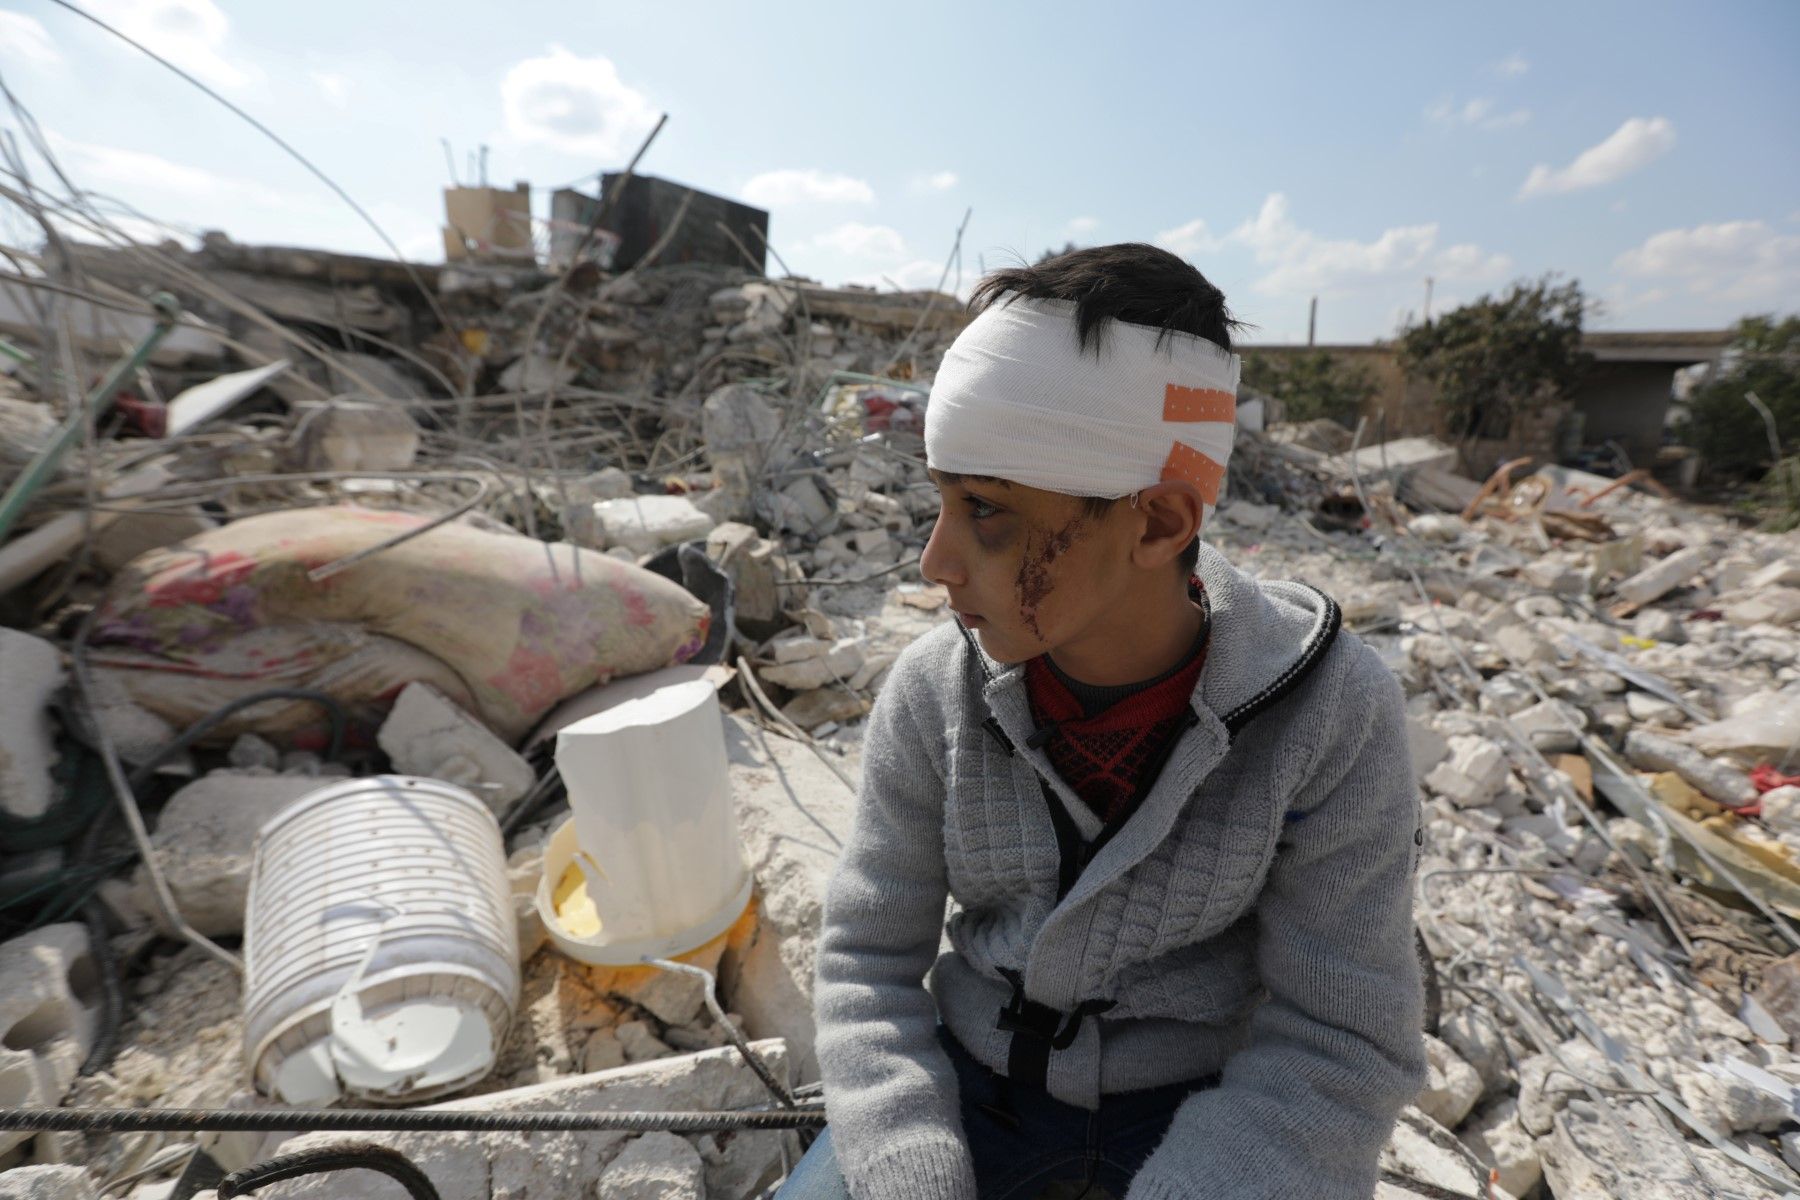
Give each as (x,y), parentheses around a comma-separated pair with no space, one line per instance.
(1252,917)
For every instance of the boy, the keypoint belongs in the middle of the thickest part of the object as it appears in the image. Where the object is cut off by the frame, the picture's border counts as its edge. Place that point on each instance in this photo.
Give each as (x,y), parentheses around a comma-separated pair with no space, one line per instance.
(1174,806)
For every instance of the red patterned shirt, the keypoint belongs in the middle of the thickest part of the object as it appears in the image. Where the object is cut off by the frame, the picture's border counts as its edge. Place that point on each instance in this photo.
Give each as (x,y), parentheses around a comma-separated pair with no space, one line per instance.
(1107,757)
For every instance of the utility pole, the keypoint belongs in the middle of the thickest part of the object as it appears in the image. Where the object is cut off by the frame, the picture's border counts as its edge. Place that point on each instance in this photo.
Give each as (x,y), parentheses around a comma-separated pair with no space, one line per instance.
(1428,300)
(1312,320)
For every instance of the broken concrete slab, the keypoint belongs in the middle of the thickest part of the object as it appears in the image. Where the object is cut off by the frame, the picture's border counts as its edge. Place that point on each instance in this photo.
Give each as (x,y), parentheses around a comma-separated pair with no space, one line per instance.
(1660,578)
(793,816)
(49,1014)
(814,663)
(1495,1136)
(1718,780)
(48,1181)
(355,435)
(655,1166)
(643,524)
(427,734)
(205,838)
(809,710)
(539,1166)
(1451,1088)
(1472,774)
(33,672)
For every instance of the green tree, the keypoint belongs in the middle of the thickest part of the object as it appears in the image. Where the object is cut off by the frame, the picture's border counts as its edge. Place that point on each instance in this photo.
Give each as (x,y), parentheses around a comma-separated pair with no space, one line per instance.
(1501,357)
(1311,385)
(1722,425)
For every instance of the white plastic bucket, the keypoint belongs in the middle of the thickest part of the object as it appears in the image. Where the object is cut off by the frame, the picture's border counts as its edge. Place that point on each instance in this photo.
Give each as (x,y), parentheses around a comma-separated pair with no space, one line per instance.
(381,950)
(652,830)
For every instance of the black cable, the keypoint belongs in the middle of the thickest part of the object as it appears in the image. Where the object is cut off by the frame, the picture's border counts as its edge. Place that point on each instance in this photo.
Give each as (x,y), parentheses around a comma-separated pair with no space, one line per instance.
(112,993)
(379,1120)
(367,1157)
(541,792)
(205,725)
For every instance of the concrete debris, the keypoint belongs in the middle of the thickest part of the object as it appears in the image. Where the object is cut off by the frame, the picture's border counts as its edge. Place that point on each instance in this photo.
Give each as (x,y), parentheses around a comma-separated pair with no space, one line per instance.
(1472,774)
(656,1166)
(49,1016)
(204,840)
(540,1166)
(48,1181)
(643,524)
(1495,1136)
(33,673)
(355,435)
(1720,781)
(426,734)
(1452,1087)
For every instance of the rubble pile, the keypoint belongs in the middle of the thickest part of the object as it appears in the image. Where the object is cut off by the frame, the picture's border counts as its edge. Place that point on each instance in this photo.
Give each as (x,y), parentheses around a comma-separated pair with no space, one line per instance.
(350,517)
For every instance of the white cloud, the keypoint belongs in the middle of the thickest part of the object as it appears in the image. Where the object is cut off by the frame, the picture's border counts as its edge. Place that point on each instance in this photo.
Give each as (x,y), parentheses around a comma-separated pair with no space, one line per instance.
(1297,261)
(1478,112)
(1634,145)
(192,34)
(132,173)
(1742,261)
(939,181)
(24,39)
(915,276)
(575,105)
(1079,227)
(777,189)
(854,240)
(335,88)
(1512,66)
(1189,239)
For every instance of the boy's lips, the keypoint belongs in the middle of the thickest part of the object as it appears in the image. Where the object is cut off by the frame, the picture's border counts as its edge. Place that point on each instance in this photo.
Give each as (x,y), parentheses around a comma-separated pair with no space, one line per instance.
(972,620)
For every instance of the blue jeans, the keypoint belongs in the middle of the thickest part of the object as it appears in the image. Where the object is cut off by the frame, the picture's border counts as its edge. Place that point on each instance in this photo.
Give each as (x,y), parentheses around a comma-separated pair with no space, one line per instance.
(1023,1139)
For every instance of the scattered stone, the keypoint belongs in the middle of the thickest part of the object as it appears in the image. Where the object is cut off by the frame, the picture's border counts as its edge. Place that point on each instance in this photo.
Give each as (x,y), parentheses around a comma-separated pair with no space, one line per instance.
(1770,606)
(1731,1105)
(1452,1086)
(1718,780)
(1473,773)
(1660,578)
(643,524)
(426,734)
(48,1018)
(809,710)
(1548,725)
(823,663)
(655,1166)
(204,840)
(639,1043)
(47,1181)
(1495,1137)
(355,435)
(1653,711)
(33,673)
(1471,1033)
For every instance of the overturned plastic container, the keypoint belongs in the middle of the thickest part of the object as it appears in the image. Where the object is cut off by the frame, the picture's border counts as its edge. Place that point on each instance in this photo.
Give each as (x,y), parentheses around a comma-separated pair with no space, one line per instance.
(649,863)
(381,950)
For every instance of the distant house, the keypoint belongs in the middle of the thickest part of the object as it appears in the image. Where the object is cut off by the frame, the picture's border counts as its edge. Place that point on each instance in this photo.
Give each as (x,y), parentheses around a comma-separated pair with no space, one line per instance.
(1623,398)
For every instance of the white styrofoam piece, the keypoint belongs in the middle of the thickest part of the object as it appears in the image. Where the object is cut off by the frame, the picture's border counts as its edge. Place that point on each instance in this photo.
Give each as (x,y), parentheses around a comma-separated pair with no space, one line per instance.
(650,792)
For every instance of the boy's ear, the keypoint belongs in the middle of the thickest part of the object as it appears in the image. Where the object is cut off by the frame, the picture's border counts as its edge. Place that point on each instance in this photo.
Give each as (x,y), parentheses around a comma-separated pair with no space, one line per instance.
(1173,512)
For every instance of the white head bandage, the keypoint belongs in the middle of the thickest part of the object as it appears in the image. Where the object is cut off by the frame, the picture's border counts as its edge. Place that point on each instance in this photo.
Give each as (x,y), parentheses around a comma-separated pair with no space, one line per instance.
(1017,398)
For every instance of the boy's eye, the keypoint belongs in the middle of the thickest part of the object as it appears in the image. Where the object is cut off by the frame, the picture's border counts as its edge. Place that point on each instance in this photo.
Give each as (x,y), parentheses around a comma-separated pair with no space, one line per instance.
(979,508)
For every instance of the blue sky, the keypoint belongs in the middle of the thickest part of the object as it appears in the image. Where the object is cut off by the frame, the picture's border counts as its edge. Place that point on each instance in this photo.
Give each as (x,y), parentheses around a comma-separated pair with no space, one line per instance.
(1347,151)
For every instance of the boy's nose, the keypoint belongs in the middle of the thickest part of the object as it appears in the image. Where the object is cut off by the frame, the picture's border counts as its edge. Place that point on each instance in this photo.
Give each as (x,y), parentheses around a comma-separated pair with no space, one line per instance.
(937,564)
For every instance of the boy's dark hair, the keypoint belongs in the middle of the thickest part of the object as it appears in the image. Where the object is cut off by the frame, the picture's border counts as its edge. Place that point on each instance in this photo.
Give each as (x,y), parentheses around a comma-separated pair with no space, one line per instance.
(1131,282)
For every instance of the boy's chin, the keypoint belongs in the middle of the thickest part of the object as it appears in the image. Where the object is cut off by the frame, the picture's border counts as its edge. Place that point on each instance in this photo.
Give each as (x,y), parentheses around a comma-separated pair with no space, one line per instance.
(1005,648)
